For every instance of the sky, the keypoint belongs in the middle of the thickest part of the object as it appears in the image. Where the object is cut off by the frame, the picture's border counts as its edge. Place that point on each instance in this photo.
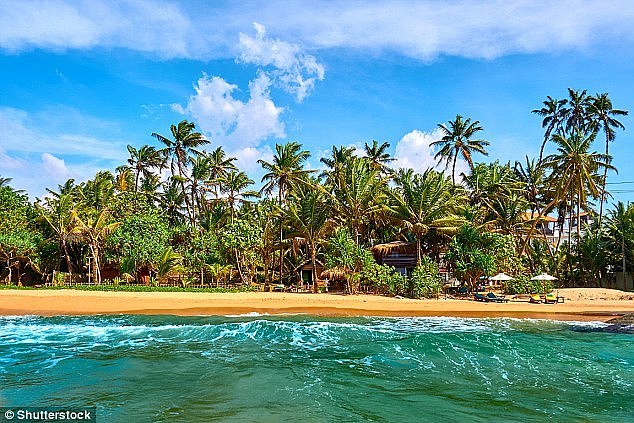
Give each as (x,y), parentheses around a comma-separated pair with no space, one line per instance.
(80,80)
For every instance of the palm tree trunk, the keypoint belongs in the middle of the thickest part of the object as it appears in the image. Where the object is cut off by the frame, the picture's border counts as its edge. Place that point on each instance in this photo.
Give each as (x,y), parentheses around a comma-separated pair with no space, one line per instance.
(313,262)
(418,256)
(453,169)
(281,238)
(603,183)
(182,183)
(624,264)
(68,263)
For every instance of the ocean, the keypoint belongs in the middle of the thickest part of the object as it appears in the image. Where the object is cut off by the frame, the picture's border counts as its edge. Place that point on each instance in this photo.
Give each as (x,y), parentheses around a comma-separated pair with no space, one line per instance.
(309,369)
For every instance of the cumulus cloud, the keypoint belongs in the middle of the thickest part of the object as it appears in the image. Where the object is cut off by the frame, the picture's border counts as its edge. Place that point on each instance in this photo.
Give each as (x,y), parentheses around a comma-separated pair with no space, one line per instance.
(240,126)
(294,71)
(420,29)
(55,167)
(413,151)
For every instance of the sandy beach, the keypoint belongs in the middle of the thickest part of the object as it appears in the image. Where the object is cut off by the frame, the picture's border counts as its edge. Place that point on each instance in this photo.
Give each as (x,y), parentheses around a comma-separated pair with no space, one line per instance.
(580,304)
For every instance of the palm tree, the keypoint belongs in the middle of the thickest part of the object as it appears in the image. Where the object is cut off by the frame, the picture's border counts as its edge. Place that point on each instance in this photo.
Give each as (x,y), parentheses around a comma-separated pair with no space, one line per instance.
(457,141)
(284,172)
(360,194)
(553,114)
(378,156)
(219,166)
(200,172)
(339,158)
(234,187)
(93,231)
(602,118)
(183,143)
(58,213)
(143,160)
(425,203)
(575,168)
(307,216)
(620,230)
(576,115)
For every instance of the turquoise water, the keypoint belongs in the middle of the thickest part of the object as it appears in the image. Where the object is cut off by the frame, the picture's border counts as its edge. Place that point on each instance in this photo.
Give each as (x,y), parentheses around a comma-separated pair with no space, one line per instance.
(309,369)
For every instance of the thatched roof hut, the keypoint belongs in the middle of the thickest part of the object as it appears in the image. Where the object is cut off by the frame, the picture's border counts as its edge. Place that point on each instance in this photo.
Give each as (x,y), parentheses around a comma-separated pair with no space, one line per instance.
(336,274)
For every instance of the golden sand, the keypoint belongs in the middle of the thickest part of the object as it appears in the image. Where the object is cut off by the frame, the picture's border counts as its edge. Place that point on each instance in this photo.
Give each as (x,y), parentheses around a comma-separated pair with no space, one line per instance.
(580,304)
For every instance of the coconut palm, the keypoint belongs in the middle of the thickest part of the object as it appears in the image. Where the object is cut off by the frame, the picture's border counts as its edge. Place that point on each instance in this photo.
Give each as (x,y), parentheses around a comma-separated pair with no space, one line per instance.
(307,217)
(93,231)
(620,232)
(338,159)
(576,114)
(574,169)
(553,114)
(143,160)
(219,166)
(57,212)
(378,156)
(180,147)
(234,187)
(601,115)
(425,203)
(360,194)
(457,140)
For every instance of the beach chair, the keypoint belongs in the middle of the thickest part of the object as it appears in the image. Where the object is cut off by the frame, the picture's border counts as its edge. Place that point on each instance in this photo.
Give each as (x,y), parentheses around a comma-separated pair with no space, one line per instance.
(501,299)
(535,298)
(479,297)
(550,298)
(463,291)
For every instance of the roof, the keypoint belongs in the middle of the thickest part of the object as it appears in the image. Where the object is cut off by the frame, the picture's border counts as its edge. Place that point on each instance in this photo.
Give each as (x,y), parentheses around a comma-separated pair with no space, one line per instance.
(394,247)
(336,273)
(531,216)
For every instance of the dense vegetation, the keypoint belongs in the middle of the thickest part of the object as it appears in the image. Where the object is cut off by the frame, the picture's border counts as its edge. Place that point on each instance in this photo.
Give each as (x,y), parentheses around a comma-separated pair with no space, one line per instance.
(205,221)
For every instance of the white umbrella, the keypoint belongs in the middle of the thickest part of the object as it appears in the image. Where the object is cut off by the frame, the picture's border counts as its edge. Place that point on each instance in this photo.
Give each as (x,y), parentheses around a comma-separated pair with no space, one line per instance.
(543,277)
(501,277)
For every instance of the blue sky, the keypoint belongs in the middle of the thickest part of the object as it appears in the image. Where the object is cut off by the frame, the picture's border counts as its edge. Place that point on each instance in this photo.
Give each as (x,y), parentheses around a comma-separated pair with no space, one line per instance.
(81,80)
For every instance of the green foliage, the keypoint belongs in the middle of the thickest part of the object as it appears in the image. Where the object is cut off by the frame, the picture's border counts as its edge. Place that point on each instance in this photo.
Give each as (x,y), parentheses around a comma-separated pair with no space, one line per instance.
(385,278)
(425,281)
(523,285)
(140,241)
(343,252)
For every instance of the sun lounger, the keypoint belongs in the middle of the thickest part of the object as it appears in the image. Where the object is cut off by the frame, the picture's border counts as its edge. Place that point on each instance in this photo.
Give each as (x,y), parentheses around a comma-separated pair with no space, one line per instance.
(479,297)
(535,298)
(498,299)
(550,299)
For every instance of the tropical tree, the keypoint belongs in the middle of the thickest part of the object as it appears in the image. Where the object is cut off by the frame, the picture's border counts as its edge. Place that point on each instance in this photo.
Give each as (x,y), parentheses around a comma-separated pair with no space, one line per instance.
(457,140)
(180,147)
(94,230)
(553,113)
(58,214)
(143,160)
(219,166)
(378,156)
(425,203)
(284,172)
(601,115)
(234,187)
(308,218)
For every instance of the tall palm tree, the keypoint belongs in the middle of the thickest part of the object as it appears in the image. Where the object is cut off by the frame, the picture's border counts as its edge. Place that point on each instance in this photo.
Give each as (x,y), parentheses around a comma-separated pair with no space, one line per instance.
(338,159)
(184,142)
(620,230)
(378,156)
(457,141)
(284,172)
(57,213)
(307,216)
(602,114)
(93,231)
(425,203)
(143,160)
(360,194)
(575,169)
(234,187)
(576,114)
(219,166)
(553,114)
(200,172)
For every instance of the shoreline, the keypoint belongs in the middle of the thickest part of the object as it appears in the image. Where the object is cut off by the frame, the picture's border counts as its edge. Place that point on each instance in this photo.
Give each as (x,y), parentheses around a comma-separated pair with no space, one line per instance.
(74,302)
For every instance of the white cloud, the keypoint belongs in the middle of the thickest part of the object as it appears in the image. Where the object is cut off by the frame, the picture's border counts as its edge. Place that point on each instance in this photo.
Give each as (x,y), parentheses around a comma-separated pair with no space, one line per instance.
(37,152)
(295,72)
(413,151)
(148,26)
(238,125)
(418,29)
(55,167)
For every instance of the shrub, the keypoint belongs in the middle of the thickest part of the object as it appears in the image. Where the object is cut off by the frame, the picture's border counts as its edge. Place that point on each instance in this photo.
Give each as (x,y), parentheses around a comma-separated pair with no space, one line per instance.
(523,285)
(385,278)
(425,281)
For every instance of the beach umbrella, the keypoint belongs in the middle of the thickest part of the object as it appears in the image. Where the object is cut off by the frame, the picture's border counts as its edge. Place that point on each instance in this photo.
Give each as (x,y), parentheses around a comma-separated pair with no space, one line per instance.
(501,277)
(544,277)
